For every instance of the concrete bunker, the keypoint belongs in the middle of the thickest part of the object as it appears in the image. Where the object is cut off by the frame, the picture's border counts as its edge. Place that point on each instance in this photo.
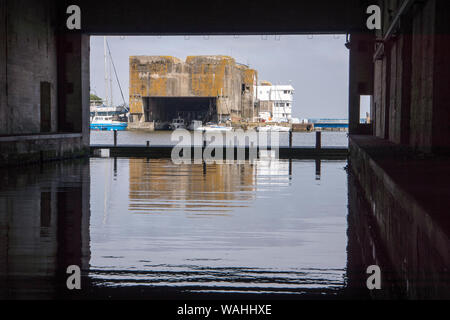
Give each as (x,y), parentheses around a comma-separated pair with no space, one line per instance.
(212,88)
(164,109)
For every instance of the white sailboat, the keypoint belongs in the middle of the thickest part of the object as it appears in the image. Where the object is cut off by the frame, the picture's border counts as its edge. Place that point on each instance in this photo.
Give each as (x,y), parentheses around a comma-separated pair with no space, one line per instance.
(211,127)
(105,117)
(273,128)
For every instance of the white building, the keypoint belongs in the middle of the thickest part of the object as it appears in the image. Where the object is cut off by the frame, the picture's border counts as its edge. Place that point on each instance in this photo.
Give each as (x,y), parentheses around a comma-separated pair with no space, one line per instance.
(282,97)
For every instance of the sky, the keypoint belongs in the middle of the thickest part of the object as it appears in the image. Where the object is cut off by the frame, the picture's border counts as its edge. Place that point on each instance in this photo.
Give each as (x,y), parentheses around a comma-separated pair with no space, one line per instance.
(316,66)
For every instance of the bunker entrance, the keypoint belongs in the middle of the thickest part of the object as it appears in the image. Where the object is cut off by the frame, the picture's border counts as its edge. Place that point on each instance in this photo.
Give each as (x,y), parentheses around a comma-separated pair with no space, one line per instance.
(162,110)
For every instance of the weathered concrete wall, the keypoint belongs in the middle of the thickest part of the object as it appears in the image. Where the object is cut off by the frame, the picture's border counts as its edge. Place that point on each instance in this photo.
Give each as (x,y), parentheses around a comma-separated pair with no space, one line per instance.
(360,75)
(154,76)
(366,248)
(73,78)
(397,201)
(411,99)
(44,84)
(265,106)
(377,112)
(31,56)
(3,68)
(423,48)
(410,228)
(147,126)
(441,108)
(201,76)
(249,78)
(16,150)
(400,90)
(302,127)
(392,89)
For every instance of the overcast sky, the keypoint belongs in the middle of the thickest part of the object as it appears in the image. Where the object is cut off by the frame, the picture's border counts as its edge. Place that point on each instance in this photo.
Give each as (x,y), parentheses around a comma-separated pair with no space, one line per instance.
(317,67)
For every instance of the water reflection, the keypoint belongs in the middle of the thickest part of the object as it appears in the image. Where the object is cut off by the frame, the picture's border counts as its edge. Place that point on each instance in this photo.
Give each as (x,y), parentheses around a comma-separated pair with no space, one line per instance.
(145,227)
(44,227)
(263,227)
(159,185)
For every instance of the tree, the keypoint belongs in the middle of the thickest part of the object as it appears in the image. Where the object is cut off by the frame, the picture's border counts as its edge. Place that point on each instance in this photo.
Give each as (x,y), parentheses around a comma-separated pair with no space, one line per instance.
(95,97)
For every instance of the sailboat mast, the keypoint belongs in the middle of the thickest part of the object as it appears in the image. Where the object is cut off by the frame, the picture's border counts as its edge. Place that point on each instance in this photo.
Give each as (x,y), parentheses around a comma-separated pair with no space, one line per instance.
(106,72)
(110,82)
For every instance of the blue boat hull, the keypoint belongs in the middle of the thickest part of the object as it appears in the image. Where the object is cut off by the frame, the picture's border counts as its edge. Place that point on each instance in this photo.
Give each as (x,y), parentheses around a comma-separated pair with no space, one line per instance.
(331,125)
(109,127)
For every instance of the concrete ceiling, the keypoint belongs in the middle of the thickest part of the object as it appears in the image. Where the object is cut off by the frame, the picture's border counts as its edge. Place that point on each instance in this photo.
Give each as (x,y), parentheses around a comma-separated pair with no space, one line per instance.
(137,17)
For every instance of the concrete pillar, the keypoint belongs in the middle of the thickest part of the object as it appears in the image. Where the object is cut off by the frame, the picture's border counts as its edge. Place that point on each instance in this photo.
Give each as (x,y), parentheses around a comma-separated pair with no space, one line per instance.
(411,80)
(405,94)
(422,77)
(73,84)
(430,114)
(360,75)
(3,68)
(441,103)
(430,77)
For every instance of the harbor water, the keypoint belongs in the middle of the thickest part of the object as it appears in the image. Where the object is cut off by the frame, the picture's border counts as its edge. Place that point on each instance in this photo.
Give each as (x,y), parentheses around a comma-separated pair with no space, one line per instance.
(148,228)
(236,228)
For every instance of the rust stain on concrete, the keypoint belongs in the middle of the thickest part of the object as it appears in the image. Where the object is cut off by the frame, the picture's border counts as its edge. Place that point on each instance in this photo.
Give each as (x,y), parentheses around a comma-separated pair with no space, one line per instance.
(199,76)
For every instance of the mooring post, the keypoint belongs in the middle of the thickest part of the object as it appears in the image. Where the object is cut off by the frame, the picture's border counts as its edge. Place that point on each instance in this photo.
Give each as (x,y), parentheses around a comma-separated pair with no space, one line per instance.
(115,138)
(204,138)
(318,140)
(290,168)
(290,139)
(148,144)
(203,151)
(318,169)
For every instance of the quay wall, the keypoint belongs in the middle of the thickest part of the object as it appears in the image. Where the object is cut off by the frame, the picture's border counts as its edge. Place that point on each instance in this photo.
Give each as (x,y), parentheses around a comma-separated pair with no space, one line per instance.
(26,149)
(409,241)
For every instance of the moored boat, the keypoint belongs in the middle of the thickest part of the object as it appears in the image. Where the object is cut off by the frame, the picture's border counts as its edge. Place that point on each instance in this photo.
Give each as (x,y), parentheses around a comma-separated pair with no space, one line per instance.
(178,123)
(273,129)
(195,124)
(105,118)
(108,125)
(211,127)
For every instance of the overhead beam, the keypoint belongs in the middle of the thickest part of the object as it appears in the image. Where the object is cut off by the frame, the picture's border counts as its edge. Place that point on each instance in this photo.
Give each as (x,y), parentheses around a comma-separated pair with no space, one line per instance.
(135,17)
